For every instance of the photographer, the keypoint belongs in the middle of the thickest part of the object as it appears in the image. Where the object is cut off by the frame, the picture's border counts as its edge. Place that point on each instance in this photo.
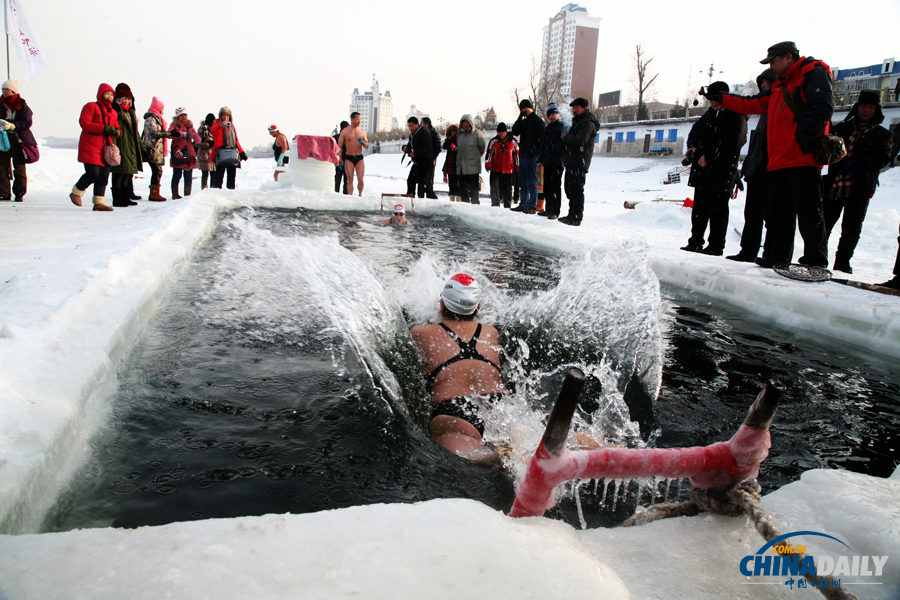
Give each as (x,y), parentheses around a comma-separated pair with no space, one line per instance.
(800,108)
(529,128)
(714,145)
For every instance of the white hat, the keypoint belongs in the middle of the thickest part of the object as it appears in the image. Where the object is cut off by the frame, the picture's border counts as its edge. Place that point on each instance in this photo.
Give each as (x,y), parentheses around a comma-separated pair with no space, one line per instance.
(273,128)
(398,208)
(180,111)
(11,84)
(461,294)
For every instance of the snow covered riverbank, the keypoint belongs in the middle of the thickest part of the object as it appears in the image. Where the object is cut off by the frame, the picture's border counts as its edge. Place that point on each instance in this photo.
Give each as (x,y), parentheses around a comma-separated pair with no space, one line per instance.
(78,286)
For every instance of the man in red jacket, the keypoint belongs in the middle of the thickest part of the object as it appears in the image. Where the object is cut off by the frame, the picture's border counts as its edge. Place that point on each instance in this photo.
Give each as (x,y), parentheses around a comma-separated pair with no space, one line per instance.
(799,108)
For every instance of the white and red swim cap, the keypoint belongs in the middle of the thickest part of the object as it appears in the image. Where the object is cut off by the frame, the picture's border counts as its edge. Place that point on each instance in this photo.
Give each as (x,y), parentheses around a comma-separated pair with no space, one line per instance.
(461,294)
(398,209)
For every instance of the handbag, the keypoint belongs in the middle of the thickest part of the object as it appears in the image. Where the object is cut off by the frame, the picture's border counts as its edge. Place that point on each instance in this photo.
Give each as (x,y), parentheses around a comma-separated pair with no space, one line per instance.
(228,157)
(111,155)
(827,148)
(4,141)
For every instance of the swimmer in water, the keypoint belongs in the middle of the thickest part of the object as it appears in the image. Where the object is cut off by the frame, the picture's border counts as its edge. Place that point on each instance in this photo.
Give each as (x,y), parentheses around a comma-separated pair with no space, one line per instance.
(462,370)
(398,217)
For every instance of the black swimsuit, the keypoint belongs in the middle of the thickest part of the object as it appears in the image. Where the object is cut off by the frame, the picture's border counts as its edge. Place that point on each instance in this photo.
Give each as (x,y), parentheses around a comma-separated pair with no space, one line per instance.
(354,158)
(461,407)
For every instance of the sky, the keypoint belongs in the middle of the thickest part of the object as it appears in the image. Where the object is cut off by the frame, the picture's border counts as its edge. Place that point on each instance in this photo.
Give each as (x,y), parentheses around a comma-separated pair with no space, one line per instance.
(295,64)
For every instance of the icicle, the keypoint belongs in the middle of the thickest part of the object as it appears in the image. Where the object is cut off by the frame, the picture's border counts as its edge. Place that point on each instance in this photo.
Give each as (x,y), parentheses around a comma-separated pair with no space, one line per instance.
(578,504)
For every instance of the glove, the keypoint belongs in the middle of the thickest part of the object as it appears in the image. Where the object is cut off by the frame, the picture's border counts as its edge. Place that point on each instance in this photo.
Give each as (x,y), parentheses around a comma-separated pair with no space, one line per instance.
(6,125)
(445,178)
(110,130)
(243,155)
(185,134)
(452,147)
(340,165)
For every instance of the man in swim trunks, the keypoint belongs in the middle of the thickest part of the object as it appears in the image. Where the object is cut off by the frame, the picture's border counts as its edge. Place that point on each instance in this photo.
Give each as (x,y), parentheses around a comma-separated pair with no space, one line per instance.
(398,217)
(353,139)
(462,369)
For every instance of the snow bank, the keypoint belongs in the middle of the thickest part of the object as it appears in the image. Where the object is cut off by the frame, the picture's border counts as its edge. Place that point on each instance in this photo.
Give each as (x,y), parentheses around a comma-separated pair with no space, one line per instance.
(453,549)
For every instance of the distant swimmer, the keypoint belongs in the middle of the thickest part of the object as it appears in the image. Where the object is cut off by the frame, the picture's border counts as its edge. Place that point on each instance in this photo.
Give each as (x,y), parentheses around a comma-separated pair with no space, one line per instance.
(353,139)
(398,216)
(462,370)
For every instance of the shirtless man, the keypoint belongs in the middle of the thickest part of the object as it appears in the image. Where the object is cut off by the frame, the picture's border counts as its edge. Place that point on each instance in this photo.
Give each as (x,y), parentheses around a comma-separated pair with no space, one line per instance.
(462,370)
(354,139)
(398,217)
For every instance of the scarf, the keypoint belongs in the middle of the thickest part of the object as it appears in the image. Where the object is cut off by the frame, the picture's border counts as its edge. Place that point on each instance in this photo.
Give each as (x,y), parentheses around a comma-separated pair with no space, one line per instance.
(13,102)
(229,136)
(843,183)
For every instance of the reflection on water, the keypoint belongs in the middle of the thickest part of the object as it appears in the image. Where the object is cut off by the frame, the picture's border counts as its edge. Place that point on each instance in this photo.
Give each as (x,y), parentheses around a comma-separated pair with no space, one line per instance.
(280,377)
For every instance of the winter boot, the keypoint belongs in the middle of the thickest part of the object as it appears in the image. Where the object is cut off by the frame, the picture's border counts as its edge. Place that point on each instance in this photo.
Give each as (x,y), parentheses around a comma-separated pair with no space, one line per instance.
(119,200)
(187,190)
(154,194)
(100,204)
(175,195)
(76,195)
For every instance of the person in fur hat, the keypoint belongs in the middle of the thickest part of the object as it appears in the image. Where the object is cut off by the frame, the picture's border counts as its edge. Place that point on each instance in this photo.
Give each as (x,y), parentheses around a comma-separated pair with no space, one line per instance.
(183,159)
(16,121)
(129,149)
(851,182)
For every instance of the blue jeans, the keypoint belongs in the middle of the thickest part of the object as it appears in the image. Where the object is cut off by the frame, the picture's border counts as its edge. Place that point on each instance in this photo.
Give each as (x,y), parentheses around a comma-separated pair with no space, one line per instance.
(528,181)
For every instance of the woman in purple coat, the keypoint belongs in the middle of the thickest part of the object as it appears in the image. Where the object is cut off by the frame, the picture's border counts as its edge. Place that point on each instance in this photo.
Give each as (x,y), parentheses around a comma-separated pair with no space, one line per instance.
(15,119)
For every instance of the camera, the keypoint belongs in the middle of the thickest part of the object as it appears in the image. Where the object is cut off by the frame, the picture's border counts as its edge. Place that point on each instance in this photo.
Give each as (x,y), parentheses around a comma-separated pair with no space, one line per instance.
(703,92)
(688,158)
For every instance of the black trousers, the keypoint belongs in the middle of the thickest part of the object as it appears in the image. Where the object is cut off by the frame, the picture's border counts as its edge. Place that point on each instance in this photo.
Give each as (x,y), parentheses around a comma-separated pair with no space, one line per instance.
(501,189)
(17,171)
(339,176)
(155,173)
(470,187)
(897,262)
(97,175)
(218,176)
(710,208)
(574,184)
(854,209)
(754,215)
(795,199)
(553,175)
(411,181)
(121,186)
(425,180)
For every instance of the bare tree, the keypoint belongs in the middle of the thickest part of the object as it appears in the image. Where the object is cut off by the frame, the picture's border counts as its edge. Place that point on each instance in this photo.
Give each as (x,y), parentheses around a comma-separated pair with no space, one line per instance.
(541,89)
(642,81)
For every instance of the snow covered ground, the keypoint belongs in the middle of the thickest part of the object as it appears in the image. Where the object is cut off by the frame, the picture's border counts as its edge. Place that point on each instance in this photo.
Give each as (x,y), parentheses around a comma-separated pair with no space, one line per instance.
(77,287)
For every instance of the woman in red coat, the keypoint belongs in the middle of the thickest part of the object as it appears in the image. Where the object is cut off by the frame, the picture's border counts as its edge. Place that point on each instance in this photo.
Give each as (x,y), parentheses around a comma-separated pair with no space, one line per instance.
(184,154)
(225,136)
(99,123)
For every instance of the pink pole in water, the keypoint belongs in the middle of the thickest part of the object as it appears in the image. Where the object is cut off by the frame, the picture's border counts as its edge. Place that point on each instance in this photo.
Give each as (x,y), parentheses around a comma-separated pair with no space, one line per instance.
(720,466)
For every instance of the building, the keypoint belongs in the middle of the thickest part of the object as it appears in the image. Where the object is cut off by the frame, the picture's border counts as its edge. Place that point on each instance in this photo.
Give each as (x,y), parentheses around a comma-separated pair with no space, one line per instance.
(490,119)
(415,112)
(849,82)
(569,55)
(375,108)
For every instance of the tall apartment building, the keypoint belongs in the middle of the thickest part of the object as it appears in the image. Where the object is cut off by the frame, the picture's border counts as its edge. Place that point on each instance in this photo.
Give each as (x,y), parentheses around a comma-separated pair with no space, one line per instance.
(570,51)
(375,108)
(849,82)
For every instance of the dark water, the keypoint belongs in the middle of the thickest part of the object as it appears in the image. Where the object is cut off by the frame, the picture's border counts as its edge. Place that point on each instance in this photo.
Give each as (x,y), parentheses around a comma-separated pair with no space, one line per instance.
(212,422)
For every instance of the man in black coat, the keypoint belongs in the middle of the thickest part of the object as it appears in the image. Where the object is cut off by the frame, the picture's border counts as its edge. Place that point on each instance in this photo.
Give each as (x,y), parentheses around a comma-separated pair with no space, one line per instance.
(756,173)
(421,150)
(529,128)
(427,179)
(551,156)
(851,182)
(579,149)
(714,144)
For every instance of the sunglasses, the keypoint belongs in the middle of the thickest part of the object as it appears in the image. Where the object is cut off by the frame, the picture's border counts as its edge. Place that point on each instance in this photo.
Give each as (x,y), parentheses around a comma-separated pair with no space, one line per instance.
(398,214)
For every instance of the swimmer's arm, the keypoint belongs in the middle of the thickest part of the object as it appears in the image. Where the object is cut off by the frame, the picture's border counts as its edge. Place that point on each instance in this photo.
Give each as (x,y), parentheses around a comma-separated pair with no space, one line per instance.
(365,137)
(385,222)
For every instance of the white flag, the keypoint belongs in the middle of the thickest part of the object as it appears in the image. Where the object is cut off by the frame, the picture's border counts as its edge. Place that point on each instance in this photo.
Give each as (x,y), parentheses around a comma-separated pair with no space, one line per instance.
(27,45)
